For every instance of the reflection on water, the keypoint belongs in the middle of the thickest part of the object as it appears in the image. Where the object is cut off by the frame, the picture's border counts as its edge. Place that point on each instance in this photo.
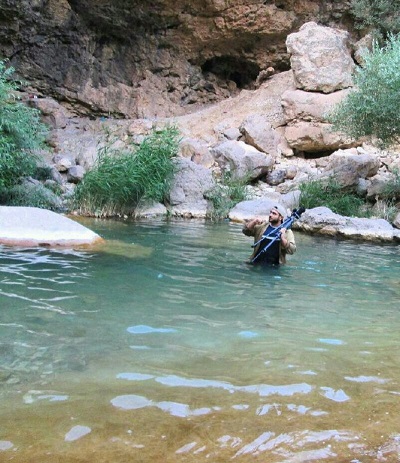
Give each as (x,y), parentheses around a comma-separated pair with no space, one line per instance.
(164,346)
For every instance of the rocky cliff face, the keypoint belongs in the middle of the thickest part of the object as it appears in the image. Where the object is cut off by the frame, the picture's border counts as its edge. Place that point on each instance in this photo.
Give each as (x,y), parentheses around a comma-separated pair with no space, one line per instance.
(151,59)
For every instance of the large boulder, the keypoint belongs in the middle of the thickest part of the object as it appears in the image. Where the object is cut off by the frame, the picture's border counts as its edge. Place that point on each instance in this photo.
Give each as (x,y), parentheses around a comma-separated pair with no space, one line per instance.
(197,151)
(377,185)
(315,137)
(31,226)
(187,195)
(258,132)
(322,220)
(320,58)
(243,161)
(260,207)
(52,112)
(299,105)
(348,166)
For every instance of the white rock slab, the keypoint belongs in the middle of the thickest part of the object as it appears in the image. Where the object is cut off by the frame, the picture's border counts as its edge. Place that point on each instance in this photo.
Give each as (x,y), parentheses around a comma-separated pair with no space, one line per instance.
(31,226)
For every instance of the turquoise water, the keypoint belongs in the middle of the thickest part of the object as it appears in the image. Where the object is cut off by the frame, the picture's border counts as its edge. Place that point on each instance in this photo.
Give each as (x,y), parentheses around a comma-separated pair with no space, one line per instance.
(163,346)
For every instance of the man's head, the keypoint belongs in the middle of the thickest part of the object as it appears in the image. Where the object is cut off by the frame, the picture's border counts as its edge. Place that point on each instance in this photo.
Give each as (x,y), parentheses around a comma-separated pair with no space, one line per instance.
(277,215)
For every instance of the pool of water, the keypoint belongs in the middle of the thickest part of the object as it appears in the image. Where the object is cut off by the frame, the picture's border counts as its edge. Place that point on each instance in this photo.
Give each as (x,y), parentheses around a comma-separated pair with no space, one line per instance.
(164,346)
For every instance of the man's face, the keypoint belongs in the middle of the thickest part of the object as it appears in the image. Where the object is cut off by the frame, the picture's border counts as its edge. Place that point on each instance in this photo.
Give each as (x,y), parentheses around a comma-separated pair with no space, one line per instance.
(274,217)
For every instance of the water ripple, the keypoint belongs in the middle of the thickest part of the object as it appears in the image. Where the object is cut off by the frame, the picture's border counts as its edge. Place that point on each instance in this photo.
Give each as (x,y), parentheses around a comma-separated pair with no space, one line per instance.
(263,390)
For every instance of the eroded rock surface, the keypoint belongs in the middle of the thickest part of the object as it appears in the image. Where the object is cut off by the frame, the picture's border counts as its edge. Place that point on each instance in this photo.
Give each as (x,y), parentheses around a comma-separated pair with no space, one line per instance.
(31,226)
(139,59)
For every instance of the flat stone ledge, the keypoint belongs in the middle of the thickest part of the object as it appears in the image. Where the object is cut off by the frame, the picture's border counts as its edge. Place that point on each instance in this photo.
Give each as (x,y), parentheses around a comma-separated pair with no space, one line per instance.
(321,220)
(31,226)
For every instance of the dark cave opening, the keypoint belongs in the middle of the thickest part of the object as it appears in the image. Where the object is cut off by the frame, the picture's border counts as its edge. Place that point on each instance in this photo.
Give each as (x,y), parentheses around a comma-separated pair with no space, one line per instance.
(313,154)
(242,72)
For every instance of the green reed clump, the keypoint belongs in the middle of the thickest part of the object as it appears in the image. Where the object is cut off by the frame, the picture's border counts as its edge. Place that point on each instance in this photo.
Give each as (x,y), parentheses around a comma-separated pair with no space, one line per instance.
(21,132)
(391,190)
(371,108)
(331,194)
(382,17)
(121,180)
(227,192)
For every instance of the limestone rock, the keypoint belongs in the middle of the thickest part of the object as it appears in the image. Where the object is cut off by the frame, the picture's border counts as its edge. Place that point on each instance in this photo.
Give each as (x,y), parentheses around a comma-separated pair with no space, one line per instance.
(348,166)
(187,196)
(276,176)
(31,226)
(323,221)
(75,174)
(377,184)
(258,132)
(363,46)
(299,105)
(320,58)
(241,160)
(246,210)
(315,136)
(196,151)
(53,113)
(62,162)
(151,210)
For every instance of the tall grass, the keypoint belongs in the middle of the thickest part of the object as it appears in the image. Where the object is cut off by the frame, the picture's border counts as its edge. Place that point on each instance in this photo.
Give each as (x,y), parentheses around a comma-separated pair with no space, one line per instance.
(122,180)
(21,132)
(330,193)
(391,190)
(225,195)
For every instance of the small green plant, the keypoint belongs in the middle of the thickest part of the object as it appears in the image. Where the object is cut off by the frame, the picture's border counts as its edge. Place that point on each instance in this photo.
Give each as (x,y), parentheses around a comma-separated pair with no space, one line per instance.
(21,132)
(121,180)
(380,16)
(332,195)
(35,195)
(225,195)
(391,190)
(384,209)
(372,108)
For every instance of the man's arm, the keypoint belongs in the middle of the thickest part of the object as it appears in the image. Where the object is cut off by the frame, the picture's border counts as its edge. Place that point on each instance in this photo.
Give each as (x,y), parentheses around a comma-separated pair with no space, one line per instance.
(249,226)
(287,241)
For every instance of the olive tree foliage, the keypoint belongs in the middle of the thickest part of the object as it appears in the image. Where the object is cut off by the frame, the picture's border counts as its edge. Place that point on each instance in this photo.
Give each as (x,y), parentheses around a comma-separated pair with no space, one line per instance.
(21,132)
(382,17)
(372,109)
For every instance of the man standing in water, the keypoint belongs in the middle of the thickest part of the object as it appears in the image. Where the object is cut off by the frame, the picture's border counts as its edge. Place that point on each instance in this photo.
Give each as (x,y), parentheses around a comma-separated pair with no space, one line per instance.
(284,244)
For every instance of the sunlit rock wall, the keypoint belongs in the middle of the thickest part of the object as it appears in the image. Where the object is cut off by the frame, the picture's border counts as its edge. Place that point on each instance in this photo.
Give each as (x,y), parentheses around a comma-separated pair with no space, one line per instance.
(159,58)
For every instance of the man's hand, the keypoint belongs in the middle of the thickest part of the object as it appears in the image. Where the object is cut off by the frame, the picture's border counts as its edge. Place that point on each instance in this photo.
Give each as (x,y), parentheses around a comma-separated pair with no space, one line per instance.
(253,222)
(284,240)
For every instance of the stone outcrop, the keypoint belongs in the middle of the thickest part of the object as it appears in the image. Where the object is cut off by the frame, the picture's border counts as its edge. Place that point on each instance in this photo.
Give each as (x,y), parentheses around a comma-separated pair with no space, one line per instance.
(299,105)
(347,167)
(321,220)
(241,160)
(258,132)
(322,66)
(135,59)
(246,210)
(187,196)
(311,137)
(30,226)
(320,58)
